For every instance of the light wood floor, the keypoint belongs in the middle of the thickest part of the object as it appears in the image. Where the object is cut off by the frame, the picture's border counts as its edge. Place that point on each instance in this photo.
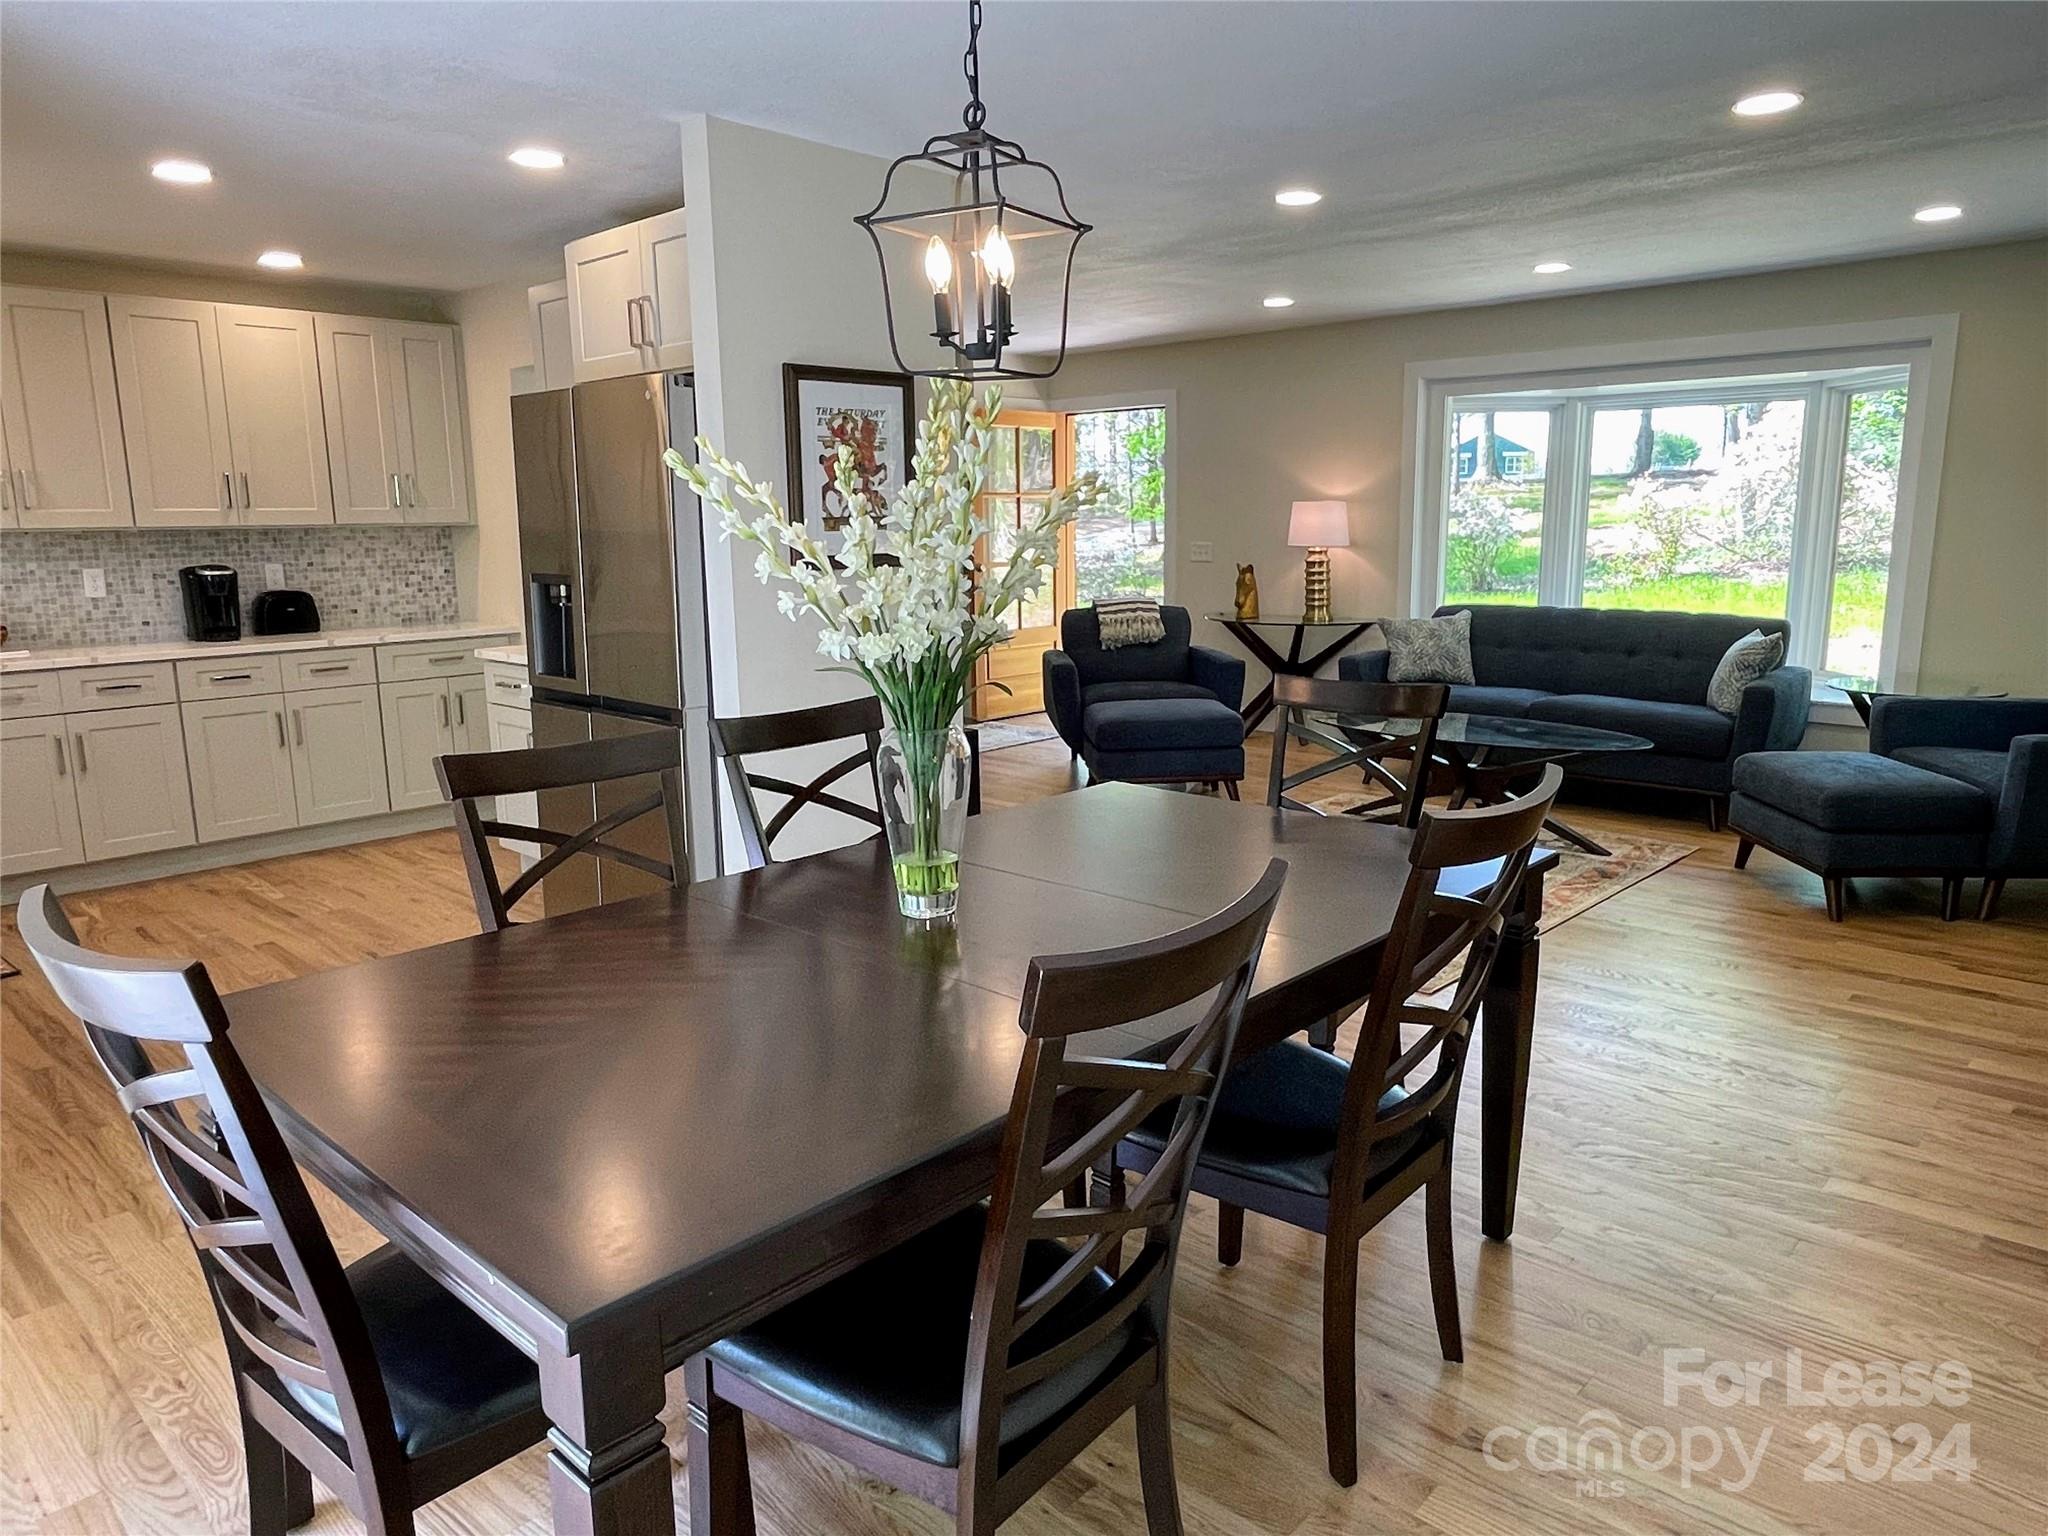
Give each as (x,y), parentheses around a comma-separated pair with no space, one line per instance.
(1750,1132)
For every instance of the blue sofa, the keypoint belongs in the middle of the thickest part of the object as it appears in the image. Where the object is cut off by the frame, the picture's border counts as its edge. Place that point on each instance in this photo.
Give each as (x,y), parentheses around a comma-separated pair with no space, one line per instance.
(1624,670)
(1163,713)
(1999,747)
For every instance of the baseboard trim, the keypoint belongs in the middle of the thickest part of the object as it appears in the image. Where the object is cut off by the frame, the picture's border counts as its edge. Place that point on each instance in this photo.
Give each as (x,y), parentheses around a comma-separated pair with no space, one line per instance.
(240,850)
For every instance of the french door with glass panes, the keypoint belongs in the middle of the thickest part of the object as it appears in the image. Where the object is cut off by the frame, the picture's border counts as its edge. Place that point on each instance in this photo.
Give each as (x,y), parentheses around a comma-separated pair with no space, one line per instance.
(1027,457)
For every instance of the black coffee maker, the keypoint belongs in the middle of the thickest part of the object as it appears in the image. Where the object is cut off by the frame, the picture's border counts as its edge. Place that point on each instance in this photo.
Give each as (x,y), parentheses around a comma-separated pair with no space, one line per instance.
(213,602)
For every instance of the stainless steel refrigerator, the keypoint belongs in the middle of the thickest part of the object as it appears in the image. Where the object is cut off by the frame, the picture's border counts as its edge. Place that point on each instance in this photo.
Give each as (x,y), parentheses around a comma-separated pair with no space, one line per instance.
(612,564)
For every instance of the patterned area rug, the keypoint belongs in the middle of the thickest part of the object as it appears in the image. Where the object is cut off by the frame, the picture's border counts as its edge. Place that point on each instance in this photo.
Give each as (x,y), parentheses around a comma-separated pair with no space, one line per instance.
(1018,731)
(1580,880)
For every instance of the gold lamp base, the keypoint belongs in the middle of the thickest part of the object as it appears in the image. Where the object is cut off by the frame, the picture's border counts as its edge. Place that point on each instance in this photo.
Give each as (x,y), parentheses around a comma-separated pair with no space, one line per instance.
(1315,587)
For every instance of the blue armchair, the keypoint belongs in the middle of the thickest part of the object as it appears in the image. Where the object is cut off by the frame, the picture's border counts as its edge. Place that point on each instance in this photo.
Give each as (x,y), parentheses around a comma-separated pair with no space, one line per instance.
(1163,713)
(1997,746)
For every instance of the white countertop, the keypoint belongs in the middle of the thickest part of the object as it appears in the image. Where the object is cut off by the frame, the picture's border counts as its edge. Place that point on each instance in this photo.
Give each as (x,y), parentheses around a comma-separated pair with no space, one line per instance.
(511,655)
(252,645)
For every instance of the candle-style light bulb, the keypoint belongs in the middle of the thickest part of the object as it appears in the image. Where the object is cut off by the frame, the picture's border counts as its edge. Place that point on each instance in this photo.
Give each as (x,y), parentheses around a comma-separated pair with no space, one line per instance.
(938,271)
(997,259)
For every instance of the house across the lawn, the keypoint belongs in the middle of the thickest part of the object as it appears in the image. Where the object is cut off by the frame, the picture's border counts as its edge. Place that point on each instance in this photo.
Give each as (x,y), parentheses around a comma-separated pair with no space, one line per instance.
(1515,461)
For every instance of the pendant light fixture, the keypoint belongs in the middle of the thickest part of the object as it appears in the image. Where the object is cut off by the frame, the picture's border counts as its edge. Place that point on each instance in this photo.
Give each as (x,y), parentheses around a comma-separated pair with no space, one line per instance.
(974,242)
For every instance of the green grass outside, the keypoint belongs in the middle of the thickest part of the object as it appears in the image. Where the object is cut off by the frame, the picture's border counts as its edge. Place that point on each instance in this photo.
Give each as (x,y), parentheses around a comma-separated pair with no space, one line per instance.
(1858,599)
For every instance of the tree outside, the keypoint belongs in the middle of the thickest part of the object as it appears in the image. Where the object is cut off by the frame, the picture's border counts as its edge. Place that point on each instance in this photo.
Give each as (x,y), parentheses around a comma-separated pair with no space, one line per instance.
(1120,545)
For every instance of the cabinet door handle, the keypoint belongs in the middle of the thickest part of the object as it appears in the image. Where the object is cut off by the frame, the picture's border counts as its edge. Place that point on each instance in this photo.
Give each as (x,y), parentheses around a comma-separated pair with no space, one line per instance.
(444,711)
(28,489)
(63,767)
(650,326)
(441,661)
(115,687)
(396,500)
(299,727)
(245,490)
(461,711)
(412,490)
(280,727)
(7,493)
(229,677)
(80,740)
(227,491)
(332,666)
(508,687)
(633,323)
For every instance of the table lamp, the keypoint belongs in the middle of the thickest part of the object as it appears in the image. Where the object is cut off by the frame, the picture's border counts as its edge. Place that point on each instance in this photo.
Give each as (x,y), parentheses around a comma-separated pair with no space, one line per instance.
(1318,526)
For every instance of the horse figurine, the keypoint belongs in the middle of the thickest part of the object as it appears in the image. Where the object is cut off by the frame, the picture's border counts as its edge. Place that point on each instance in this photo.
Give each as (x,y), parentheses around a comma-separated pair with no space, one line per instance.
(1247,593)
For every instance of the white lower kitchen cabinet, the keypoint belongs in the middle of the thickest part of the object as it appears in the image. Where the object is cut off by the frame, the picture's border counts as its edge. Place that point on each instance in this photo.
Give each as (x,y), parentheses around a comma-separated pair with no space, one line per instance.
(128,767)
(241,767)
(419,726)
(38,807)
(338,764)
(471,698)
(512,731)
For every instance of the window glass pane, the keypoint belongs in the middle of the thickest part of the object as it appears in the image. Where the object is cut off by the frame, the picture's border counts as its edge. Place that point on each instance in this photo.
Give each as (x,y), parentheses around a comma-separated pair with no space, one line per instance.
(1034,458)
(1691,507)
(1494,523)
(1863,532)
(1120,546)
(1001,473)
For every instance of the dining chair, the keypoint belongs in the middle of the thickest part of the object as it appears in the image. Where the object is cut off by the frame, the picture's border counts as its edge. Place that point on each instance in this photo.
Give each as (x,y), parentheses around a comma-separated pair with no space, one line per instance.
(470,777)
(1293,697)
(371,1378)
(1333,1146)
(971,1363)
(741,736)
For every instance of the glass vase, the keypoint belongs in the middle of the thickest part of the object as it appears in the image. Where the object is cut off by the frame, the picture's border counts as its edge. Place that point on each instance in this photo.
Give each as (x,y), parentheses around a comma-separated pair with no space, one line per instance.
(924,812)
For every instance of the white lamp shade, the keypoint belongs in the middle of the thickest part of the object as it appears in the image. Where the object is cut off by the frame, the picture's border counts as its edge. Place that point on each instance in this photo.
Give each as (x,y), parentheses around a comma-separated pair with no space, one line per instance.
(1320,525)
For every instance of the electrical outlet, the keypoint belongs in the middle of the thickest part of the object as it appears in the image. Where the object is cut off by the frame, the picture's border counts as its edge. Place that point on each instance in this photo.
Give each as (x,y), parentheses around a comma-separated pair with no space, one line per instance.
(95,581)
(273,574)
(1201,551)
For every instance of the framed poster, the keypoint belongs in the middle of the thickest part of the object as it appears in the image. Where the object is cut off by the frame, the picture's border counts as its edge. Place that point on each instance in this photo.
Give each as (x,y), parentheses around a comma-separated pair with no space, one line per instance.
(825,407)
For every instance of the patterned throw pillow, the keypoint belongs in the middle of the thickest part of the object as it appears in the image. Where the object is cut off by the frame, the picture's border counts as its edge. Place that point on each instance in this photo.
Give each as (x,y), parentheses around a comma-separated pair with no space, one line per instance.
(1429,650)
(1748,659)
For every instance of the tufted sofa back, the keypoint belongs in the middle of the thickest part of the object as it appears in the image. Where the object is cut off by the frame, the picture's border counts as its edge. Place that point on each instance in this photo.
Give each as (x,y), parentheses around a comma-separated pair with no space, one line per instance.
(1622,652)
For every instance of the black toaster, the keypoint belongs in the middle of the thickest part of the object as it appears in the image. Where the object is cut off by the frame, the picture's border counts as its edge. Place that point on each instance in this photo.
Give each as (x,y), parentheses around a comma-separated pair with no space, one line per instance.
(284,612)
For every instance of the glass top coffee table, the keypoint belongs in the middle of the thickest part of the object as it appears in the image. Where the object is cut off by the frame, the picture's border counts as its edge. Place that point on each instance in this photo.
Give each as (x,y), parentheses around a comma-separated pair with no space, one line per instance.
(1486,752)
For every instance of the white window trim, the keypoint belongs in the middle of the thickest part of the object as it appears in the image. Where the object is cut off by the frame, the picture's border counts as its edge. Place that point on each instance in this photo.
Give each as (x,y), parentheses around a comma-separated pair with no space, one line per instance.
(1924,344)
(1138,400)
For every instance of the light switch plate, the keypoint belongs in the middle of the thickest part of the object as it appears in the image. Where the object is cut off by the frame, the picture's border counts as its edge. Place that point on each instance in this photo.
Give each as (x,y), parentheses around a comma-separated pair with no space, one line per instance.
(95,581)
(1201,550)
(273,575)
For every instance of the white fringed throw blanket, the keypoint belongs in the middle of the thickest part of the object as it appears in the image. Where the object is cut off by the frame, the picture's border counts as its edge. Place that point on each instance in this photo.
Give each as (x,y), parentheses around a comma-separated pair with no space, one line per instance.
(1121,621)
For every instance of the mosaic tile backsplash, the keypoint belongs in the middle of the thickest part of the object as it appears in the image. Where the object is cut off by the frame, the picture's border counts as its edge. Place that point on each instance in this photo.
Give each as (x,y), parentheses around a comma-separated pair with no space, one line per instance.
(360,577)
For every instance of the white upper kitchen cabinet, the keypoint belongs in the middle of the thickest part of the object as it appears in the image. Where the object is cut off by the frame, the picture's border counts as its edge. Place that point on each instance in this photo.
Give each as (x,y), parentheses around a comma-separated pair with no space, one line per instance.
(7,517)
(174,412)
(59,412)
(547,330)
(128,766)
(271,369)
(629,298)
(338,761)
(426,394)
(38,808)
(356,392)
(241,768)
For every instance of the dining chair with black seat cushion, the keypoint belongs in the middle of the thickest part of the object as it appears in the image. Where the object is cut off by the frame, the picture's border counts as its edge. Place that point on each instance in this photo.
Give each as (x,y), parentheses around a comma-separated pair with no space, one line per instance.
(973,1362)
(741,736)
(471,778)
(371,1378)
(1294,697)
(1333,1146)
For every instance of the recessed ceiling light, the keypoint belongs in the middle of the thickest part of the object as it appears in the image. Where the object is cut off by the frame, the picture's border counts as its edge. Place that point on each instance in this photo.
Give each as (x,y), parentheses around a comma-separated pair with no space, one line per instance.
(1297,197)
(283,261)
(1551,268)
(1767,103)
(185,173)
(534,158)
(1938,213)
(1277,301)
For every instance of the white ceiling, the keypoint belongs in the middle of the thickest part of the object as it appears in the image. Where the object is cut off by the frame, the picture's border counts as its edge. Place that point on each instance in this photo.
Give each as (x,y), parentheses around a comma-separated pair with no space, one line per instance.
(1458,144)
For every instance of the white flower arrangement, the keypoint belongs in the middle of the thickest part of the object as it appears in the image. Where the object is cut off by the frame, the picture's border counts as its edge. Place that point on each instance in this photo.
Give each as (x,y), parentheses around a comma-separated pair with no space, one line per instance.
(911,624)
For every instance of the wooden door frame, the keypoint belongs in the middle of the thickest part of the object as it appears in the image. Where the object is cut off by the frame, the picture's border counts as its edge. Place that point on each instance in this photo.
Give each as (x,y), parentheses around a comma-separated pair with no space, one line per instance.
(985,701)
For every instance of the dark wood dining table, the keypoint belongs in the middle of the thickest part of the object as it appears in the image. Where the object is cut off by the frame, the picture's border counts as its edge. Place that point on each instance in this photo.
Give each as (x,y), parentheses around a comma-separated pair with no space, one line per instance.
(623,1133)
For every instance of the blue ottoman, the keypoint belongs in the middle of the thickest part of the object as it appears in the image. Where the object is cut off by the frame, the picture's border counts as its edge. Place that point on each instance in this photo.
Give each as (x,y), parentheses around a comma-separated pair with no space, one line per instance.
(1164,741)
(1854,813)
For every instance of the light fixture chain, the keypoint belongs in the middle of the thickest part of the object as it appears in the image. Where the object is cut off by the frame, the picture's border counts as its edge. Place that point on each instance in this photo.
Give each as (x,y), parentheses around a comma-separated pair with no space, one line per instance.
(976,114)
